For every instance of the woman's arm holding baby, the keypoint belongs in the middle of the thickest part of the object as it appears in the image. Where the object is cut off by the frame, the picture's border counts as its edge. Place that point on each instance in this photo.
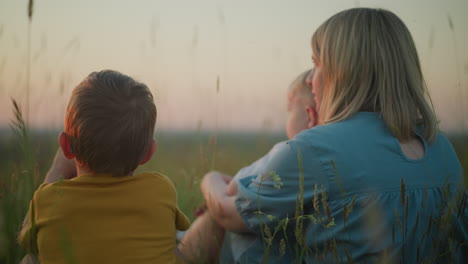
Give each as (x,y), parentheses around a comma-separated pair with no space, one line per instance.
(219,192)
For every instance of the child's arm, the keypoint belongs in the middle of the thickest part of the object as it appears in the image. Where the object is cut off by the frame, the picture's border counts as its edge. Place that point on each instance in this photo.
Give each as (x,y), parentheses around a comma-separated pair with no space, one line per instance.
(232,187)
(231,191)
(27,237)
(29,259)
(220,204)
(62,168)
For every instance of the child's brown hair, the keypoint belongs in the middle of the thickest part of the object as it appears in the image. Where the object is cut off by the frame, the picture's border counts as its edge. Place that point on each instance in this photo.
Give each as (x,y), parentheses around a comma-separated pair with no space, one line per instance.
(110,122)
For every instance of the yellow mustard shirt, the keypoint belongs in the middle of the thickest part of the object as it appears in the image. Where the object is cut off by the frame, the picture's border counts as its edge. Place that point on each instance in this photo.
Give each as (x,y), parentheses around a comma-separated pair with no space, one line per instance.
(103,219)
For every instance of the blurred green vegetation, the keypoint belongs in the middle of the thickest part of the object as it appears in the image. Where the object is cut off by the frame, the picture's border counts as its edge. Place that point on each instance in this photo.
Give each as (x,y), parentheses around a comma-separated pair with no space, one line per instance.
(182,156)
(460,144)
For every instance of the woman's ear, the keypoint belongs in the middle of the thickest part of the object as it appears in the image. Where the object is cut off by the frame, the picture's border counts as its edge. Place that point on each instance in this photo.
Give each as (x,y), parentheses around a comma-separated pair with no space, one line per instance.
(312,114)
(65,145)
(150,152)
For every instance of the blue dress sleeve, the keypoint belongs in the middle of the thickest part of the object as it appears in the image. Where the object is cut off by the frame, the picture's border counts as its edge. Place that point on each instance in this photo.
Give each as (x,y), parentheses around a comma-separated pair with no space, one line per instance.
(258,166)
(269,189)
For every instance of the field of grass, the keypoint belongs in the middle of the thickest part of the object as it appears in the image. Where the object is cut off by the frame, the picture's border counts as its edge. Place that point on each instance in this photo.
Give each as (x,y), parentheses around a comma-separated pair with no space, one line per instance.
(183,156)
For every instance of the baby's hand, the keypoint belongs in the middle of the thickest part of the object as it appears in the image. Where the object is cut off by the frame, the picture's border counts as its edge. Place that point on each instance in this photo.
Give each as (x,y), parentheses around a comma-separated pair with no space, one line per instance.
(232,188)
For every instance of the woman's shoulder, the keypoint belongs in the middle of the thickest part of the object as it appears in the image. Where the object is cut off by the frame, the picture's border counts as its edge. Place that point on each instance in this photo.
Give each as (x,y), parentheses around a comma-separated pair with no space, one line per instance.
(442,140)
(441,150)
(363,126)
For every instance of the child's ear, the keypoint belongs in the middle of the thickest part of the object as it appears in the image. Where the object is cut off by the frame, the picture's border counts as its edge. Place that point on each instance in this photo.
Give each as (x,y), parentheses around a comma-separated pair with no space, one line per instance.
(65,145)
(312,114)
(150,152)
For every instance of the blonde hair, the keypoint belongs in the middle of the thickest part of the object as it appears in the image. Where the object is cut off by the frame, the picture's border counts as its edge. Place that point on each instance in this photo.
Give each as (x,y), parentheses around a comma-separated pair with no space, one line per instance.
(300,88)
(369,62)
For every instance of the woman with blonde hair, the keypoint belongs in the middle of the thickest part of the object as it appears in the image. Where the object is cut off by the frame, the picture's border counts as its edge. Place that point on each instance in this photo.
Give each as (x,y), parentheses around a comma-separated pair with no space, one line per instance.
(374,182)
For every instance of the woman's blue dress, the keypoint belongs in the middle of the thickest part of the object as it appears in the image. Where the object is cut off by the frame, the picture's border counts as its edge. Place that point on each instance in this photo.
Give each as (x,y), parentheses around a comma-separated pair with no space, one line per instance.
(345,191)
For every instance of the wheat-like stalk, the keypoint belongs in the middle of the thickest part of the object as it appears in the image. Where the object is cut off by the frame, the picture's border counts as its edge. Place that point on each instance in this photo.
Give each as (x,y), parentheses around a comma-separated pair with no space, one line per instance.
(28,58)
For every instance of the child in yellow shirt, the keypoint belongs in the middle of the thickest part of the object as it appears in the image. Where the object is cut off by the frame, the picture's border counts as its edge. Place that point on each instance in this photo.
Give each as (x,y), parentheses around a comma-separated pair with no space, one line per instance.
(106,214)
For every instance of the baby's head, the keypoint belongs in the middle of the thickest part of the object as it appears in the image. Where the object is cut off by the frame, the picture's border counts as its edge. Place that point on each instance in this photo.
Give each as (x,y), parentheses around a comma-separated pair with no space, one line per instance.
(301,105)
(109,124)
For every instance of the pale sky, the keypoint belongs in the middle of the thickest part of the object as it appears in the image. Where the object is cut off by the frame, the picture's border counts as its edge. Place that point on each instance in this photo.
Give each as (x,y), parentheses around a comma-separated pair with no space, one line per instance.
(180,47)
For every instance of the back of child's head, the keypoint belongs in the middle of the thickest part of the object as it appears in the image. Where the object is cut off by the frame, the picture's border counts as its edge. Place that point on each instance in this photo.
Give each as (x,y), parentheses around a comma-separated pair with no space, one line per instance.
(110,122)
(301,90)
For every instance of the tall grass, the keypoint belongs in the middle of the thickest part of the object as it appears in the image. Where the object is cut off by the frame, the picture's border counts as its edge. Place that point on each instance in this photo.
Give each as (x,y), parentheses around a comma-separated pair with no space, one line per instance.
(28,58)
(17,188)
(185,157)
(457,71)
(438,243)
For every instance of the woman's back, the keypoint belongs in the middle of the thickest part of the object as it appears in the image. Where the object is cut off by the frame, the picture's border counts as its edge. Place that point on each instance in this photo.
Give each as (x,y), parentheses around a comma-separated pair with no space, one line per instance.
(363,199)
(372,158)
(396,201)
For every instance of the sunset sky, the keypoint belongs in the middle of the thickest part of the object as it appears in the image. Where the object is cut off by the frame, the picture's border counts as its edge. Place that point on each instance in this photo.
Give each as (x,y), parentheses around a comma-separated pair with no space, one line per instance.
(179,49)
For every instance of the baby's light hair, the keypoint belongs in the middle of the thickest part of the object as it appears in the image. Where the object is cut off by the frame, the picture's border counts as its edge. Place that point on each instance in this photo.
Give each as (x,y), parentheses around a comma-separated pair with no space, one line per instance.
(369,63)
(300,88)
